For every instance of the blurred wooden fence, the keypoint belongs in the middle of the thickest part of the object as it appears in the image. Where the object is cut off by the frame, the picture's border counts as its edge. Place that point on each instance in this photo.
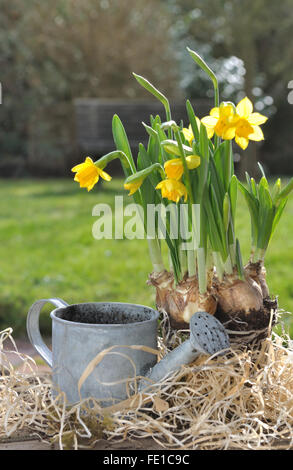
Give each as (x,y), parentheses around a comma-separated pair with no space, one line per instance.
(94,120)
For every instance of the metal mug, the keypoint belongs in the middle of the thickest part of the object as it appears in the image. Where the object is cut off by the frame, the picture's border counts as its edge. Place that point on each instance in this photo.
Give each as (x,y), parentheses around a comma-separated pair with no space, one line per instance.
(81,331)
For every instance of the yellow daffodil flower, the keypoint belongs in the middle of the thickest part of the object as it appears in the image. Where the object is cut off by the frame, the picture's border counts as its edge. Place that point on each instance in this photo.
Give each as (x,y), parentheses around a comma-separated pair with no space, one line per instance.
(174,167)
(221,121)
(247,125)
(241,123)
(188,133)
(88,174)
(172,189)
(133,186)
(193,161)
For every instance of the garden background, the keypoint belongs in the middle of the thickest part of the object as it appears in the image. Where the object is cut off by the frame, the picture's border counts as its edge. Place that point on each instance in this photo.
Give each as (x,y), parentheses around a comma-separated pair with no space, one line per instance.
(52,53)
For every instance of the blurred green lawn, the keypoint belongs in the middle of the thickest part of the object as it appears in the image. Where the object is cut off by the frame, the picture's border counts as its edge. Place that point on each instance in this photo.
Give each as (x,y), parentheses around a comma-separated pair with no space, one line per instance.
(47,250)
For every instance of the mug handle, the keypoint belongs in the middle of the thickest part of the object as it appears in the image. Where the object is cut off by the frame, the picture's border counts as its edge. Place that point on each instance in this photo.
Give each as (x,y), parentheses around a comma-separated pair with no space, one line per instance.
(33,329)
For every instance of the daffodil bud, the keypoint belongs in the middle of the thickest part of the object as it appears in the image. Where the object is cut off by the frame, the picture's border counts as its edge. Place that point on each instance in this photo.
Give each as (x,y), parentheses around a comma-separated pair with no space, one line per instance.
(226,211)
(170,125)
(171,146)
(133,182)
(193,161)
(133,186)
(228,105)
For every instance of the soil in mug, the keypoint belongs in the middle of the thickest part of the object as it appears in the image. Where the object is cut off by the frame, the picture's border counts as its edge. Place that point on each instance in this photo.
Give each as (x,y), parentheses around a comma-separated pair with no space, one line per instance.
(105,314)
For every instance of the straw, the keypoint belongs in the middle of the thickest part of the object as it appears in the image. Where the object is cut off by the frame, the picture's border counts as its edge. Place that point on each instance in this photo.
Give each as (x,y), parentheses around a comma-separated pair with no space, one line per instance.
(242,400)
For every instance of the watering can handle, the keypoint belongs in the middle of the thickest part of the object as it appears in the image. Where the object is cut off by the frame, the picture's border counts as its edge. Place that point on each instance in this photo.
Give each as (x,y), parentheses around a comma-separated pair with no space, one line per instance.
(33,329)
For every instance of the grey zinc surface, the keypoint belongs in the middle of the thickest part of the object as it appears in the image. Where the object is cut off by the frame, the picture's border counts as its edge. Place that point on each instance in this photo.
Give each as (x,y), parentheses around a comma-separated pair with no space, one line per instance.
(118,332)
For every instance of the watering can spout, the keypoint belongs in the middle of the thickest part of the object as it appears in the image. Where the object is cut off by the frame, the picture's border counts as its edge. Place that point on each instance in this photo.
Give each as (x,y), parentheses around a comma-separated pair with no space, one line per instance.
(207,336)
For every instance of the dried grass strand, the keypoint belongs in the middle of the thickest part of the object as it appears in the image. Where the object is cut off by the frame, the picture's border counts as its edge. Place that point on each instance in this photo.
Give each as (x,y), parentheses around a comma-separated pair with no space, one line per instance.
(241,400)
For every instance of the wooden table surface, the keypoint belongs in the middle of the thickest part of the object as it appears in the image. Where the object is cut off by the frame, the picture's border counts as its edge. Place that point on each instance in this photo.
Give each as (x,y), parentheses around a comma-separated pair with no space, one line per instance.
(24,441)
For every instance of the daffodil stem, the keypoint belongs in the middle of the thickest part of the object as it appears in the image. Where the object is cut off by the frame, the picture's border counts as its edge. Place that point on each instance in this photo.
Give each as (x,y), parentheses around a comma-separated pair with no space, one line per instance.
(186,223)
(217,104)
(103,161)
(183,260)
(216,91)
(191,255)
(232,251)
(145,173)
(218,264)
(252,252)
(259,254)
(202,272)
(228,267)
(191,262)
(186,171)
(168,116)
(171,266)
(156,255)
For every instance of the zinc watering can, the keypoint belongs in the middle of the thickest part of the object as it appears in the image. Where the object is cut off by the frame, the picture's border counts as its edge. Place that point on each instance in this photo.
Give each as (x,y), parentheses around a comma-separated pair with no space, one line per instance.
(100,348)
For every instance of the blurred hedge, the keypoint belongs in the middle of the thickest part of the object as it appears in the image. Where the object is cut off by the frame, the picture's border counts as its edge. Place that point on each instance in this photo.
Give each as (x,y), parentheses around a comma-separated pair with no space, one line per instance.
(53,52)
